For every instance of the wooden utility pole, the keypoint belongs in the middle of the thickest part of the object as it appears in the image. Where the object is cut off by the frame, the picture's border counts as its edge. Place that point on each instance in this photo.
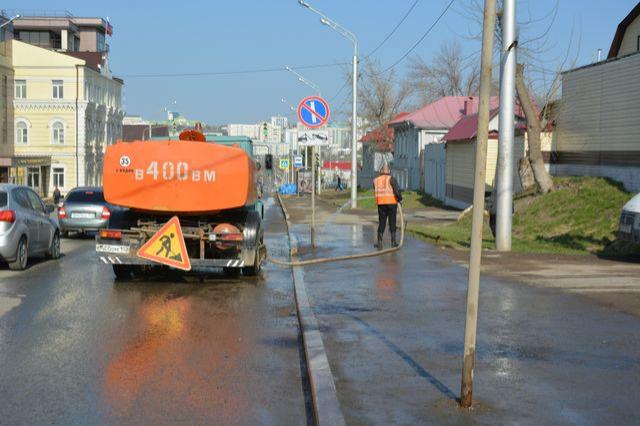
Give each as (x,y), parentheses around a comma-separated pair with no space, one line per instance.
(478,204)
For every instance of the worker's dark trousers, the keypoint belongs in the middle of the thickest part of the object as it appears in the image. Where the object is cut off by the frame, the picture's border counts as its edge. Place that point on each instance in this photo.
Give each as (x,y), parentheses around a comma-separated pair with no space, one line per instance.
(387,211)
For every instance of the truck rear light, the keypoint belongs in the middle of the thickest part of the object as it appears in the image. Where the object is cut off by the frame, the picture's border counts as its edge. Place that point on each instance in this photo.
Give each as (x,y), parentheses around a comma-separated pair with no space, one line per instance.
(62,213)
(7,216)
(106,213)
(110,234)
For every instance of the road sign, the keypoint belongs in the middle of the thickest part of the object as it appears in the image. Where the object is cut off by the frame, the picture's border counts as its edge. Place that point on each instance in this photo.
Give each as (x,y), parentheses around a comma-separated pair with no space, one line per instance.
(313,112)
(284,164)
(313,138)
(167,246)
(297,161)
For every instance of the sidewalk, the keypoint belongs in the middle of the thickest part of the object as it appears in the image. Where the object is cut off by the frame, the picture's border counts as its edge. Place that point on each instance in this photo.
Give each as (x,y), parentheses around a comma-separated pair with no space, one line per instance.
(393,329)
(611,283)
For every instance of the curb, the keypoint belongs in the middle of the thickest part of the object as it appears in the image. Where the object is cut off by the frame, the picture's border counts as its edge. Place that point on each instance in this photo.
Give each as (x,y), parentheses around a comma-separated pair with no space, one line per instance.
(326,406)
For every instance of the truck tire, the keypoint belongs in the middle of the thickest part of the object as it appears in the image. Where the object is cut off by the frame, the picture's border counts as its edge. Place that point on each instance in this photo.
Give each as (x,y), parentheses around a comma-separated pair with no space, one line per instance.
(122,272)
(252,271)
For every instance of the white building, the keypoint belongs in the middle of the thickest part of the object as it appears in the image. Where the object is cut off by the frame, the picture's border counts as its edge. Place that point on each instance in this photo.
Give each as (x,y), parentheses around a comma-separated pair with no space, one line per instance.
(280,121)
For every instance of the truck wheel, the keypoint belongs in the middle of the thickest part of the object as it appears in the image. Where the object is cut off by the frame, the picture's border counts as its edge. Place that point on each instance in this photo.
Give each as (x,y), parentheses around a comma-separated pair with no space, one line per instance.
(122,272)
(252,271)
(22,255)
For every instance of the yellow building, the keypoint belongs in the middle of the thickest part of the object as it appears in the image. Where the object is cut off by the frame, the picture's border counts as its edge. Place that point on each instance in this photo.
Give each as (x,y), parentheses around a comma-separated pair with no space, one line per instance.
(68,108)
(6,100)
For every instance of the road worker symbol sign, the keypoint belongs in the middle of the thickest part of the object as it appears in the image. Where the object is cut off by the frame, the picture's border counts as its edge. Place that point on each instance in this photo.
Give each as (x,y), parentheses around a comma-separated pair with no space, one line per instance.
(167,247)
(313,112)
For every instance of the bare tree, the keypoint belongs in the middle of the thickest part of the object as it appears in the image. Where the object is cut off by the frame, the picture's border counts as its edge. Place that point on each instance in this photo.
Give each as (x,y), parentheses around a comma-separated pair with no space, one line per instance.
(448,74)
(380,96)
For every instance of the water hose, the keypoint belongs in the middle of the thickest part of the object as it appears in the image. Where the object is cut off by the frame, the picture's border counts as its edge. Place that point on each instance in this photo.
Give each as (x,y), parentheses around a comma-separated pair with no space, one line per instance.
(337,258)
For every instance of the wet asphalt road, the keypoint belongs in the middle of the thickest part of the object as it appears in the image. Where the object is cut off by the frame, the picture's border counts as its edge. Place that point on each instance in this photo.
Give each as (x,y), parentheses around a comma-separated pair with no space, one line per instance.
(78,348)
(393,329)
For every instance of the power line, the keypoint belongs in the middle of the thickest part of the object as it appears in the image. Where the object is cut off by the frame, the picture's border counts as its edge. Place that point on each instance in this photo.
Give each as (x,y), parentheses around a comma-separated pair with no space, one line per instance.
(402,58)
(379,45)
(393,30)
(232,72)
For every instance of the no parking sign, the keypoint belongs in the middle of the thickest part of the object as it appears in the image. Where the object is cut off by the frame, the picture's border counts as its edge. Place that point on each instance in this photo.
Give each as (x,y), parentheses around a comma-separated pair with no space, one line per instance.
(313,112)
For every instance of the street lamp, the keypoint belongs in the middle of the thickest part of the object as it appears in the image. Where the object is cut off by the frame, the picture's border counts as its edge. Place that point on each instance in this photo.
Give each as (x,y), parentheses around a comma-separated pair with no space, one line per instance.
(325,20)
(10,20)
(301,79)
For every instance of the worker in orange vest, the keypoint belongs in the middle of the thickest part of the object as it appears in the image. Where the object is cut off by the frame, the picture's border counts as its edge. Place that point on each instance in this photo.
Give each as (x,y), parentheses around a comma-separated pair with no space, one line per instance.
(388,195)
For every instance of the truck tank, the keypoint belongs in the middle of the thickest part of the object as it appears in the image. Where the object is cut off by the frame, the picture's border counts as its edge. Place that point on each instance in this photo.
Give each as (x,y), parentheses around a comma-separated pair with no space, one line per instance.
(180,177)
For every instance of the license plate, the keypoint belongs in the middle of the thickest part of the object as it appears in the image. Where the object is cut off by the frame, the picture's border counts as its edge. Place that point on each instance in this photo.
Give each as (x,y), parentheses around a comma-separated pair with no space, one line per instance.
(625,229)
(82,215)
(112,248)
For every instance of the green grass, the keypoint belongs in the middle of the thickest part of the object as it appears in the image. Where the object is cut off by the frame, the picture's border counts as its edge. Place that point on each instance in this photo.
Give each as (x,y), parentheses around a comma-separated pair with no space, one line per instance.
(579,217)
(366,199)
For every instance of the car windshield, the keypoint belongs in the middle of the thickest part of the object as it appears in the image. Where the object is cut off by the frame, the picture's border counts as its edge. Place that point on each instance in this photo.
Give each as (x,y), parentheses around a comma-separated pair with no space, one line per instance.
(85,197)
(3,199)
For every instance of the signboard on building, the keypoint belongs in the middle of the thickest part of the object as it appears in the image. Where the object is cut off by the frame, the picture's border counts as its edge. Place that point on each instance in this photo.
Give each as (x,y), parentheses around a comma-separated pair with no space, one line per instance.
(30,161)
(313,138)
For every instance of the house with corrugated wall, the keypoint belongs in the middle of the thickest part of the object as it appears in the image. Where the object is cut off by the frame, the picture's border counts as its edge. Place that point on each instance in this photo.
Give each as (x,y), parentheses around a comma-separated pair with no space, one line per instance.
(598,128)
(460,156)
(424,127)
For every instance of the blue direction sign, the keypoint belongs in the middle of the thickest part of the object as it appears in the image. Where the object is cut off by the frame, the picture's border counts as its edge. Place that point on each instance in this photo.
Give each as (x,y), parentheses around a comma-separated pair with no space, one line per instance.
(313,112)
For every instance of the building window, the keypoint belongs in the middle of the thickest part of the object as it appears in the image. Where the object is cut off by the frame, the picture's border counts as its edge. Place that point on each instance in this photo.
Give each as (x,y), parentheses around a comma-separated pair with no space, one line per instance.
(57,133)
(21,89)
(58,86)
(33,178)
(57,174)
(22,133)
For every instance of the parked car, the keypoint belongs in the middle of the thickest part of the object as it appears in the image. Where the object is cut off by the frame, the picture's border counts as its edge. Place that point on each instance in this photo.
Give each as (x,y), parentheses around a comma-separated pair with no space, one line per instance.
(629,229)
(84,209)
(26,227)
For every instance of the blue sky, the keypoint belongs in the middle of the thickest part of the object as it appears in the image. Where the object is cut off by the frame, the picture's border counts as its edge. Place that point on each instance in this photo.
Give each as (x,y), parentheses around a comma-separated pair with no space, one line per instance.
(152,37)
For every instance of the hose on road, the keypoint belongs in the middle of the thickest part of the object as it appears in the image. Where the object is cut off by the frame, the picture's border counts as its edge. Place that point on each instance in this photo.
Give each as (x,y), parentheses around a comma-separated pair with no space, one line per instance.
(338,258)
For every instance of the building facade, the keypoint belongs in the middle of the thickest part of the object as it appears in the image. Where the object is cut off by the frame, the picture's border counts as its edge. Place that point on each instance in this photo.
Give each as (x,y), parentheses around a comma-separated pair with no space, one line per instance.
(598,127)
(6,101)
(67,110)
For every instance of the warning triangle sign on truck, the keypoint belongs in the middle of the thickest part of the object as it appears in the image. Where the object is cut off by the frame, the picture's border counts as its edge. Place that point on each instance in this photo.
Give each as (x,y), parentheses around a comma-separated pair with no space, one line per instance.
(167,246)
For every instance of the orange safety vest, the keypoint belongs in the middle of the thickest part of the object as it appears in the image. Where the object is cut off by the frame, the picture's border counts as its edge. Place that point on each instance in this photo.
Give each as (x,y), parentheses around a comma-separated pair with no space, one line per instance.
(384,191)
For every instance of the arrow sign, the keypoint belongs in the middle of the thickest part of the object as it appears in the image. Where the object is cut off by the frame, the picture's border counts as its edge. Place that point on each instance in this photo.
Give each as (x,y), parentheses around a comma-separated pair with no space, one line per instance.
(313,112)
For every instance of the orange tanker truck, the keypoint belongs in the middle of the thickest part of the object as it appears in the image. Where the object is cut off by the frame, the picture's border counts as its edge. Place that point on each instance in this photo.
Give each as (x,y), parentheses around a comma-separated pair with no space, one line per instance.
(209,188)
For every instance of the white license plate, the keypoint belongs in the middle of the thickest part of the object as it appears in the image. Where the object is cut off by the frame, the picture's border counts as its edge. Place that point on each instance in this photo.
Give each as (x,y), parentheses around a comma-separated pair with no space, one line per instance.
(625,229)
(82,215)
(112,248)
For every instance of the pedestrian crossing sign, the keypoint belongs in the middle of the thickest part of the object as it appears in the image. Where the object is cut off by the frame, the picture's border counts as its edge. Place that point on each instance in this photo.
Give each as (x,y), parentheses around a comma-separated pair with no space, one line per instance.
(167,247)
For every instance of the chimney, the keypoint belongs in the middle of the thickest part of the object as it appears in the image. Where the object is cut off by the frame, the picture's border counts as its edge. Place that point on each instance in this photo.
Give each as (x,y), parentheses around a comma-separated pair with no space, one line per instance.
(465,111)
(599,55)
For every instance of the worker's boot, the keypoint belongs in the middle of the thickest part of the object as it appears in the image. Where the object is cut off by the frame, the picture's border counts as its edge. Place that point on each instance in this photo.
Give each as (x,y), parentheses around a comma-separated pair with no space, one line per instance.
(378,245)
(394,242)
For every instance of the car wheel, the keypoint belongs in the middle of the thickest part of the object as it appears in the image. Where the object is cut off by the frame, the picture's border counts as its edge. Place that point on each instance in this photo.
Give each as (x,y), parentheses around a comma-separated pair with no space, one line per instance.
(54,250)
(22,255)
(122,272)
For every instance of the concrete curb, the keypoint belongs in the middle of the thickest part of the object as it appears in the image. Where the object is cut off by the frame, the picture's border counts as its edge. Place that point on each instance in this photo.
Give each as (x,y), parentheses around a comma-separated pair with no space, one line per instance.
(323,389)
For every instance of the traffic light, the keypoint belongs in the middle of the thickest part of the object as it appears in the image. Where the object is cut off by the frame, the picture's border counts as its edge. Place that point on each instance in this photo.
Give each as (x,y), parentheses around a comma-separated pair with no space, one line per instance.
(268,161)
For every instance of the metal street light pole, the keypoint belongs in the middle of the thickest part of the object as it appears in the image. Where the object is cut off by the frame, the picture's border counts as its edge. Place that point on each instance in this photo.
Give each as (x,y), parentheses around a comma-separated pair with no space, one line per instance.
(354,115)
(504,176)
(10,20)
(315,87)
(284,101)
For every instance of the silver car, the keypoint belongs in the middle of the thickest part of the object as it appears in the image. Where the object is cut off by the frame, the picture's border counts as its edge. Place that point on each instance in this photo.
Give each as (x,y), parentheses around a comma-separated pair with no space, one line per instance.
(83,210)
(26,228)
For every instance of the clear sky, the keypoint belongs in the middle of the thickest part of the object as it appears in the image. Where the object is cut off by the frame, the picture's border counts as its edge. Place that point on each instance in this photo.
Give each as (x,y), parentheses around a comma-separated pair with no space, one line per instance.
(156,37)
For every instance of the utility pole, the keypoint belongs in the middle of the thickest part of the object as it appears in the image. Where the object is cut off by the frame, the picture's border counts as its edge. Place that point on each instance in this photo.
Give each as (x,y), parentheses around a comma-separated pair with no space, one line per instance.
(471,323)
(504,172)
(313,196)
